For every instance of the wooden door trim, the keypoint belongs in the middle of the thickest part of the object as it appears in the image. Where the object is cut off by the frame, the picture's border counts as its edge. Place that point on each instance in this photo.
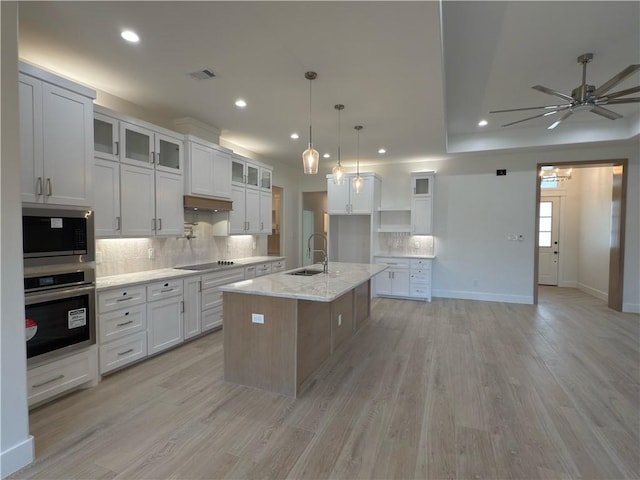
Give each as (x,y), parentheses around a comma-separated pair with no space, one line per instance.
(618,223)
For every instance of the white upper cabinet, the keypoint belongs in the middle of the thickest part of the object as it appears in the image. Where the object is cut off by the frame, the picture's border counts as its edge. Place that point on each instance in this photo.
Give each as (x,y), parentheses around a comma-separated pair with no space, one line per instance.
(208,169)
(56,139)
(145,199)
(343,200)
(106,143)
(422,184)
(422,203)
(245,172)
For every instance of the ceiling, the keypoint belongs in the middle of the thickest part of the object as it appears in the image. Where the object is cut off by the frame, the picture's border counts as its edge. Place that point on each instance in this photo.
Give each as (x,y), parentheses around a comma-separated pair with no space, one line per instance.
(418,81)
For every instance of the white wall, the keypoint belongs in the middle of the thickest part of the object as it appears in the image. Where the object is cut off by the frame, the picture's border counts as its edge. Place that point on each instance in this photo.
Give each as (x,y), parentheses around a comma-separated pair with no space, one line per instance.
(16,445)
(475,210)
(595,231)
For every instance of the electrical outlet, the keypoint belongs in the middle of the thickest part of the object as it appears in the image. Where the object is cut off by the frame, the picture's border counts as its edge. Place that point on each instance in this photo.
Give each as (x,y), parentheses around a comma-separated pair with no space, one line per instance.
(339,319)
(151,253)
(257,318)
(98,258)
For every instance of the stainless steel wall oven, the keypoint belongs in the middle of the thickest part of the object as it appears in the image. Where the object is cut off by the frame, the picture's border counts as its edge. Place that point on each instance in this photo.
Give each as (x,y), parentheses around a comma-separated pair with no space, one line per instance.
(59,310)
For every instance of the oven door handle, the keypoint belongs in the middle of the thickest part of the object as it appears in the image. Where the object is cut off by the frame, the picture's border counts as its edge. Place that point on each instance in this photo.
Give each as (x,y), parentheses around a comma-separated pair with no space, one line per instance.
(37,297)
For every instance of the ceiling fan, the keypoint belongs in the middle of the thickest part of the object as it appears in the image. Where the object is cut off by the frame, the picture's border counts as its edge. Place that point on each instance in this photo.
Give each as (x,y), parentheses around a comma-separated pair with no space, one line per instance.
(584,97)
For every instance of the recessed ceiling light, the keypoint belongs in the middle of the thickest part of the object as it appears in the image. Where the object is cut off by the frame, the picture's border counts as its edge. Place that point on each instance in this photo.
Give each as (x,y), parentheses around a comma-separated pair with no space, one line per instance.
(295,136)
(130,36)
(241,103)
(326,155)
(381,151)
(483,123)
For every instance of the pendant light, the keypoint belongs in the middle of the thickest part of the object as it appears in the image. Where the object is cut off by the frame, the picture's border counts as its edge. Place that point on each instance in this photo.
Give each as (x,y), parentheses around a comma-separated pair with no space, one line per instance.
(310,156)
(357,182)
(338,170)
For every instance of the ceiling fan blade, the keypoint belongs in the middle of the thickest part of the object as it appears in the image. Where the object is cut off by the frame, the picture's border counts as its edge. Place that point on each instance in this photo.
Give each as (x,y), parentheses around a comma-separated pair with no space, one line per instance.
(567,114)
(616,79)
(546,107)
(542,89)
(605,112)
(623,100)
(530,118)
(622,93)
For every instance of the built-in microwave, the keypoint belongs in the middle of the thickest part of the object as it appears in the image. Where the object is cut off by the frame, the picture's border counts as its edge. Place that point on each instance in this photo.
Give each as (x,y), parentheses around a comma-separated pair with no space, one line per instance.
(57,235)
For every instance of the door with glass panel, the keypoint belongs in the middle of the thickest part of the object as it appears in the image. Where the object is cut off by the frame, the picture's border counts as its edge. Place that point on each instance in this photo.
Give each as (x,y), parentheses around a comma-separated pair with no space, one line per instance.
(548,241)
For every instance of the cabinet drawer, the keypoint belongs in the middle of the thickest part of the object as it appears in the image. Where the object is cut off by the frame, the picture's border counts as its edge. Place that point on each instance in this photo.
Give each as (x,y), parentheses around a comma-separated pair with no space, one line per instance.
(394,261)
(212,318)
(421,291)
(421,264)
(222,278)
(111,300)
(263,269)
(165,289)
(211,297)
(121,323)
(123,351)
(278,266)
(56,377)
(421,277)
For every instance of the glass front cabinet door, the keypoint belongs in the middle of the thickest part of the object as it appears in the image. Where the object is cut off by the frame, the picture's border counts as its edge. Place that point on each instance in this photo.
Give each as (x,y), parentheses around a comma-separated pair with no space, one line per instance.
(421,184)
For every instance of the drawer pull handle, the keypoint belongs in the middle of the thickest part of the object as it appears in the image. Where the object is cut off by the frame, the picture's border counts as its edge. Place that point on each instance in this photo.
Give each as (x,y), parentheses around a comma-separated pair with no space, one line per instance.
(123,299)
(125,352)
(165,290)
(125,323)
(38,385)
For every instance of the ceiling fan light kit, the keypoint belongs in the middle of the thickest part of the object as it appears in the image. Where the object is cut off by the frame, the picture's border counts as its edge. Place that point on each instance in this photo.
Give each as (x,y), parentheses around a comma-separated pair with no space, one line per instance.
(584,97)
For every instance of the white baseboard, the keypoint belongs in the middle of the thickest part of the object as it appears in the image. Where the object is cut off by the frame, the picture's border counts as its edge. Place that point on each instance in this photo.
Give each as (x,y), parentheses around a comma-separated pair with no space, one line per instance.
(593,292)
(483,296)
(568,284)
(631,307)
(16,457)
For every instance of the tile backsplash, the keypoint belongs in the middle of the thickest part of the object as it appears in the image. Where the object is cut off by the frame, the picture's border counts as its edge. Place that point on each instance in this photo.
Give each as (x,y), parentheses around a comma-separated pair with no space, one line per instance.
(401,244)
(128,255)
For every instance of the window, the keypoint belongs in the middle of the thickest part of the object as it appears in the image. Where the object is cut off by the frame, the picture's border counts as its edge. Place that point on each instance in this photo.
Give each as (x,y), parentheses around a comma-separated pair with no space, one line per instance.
(544,230)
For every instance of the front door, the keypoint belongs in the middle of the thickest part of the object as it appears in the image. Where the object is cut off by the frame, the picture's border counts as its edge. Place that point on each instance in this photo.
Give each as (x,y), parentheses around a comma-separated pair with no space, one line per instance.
(548,245)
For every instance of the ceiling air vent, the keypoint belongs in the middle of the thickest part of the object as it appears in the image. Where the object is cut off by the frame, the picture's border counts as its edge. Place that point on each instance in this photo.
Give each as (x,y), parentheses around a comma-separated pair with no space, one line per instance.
(204,74)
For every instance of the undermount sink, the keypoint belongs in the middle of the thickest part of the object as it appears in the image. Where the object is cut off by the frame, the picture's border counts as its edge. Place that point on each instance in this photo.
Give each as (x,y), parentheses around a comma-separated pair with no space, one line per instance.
(305,272)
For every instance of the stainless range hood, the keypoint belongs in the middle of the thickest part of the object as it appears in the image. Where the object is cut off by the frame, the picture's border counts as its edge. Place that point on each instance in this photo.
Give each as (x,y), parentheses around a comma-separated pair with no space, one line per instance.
(206,204)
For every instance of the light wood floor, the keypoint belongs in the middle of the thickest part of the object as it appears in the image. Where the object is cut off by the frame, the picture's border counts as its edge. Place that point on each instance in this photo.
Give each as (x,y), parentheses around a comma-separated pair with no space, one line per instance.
(451,389)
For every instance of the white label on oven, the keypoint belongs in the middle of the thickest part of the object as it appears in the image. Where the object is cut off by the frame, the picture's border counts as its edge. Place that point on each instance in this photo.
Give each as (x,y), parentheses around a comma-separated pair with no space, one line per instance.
(77,318)
(56,223)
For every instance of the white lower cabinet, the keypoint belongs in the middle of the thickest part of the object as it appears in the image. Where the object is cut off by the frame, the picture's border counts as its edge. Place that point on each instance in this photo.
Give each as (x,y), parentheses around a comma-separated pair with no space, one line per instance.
(59,376)
(122,326)
(192,315)
(212,296)
(164,315)
(405,277)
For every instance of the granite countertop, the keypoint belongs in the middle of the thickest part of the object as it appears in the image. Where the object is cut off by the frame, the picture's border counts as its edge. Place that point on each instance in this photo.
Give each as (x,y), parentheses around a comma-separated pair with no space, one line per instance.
(341,278)
(129,279)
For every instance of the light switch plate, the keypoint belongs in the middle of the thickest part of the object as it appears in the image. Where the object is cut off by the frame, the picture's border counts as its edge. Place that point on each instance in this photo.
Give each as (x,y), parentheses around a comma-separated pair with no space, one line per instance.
(257,318)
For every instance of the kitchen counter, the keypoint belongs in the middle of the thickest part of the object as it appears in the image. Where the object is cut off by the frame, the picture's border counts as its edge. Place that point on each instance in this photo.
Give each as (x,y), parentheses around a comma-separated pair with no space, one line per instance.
(342,277)
(279,329)
(136,278)
(392,255)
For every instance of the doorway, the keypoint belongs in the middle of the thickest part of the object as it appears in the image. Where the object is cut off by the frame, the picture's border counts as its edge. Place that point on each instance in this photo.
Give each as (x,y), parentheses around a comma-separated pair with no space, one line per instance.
(274,242)
(314,208)
(617,226)
(548,240)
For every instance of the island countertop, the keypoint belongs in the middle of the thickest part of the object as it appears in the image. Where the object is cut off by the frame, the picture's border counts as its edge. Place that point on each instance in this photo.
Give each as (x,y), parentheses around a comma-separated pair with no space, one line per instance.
(322,287)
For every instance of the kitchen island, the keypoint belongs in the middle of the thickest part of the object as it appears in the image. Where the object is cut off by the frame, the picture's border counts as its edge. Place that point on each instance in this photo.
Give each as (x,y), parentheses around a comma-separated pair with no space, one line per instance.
(279,329)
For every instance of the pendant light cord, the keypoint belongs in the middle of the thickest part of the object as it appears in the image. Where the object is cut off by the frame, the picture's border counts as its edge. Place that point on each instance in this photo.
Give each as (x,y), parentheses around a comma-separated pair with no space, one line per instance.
(310,141)
(339,110)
